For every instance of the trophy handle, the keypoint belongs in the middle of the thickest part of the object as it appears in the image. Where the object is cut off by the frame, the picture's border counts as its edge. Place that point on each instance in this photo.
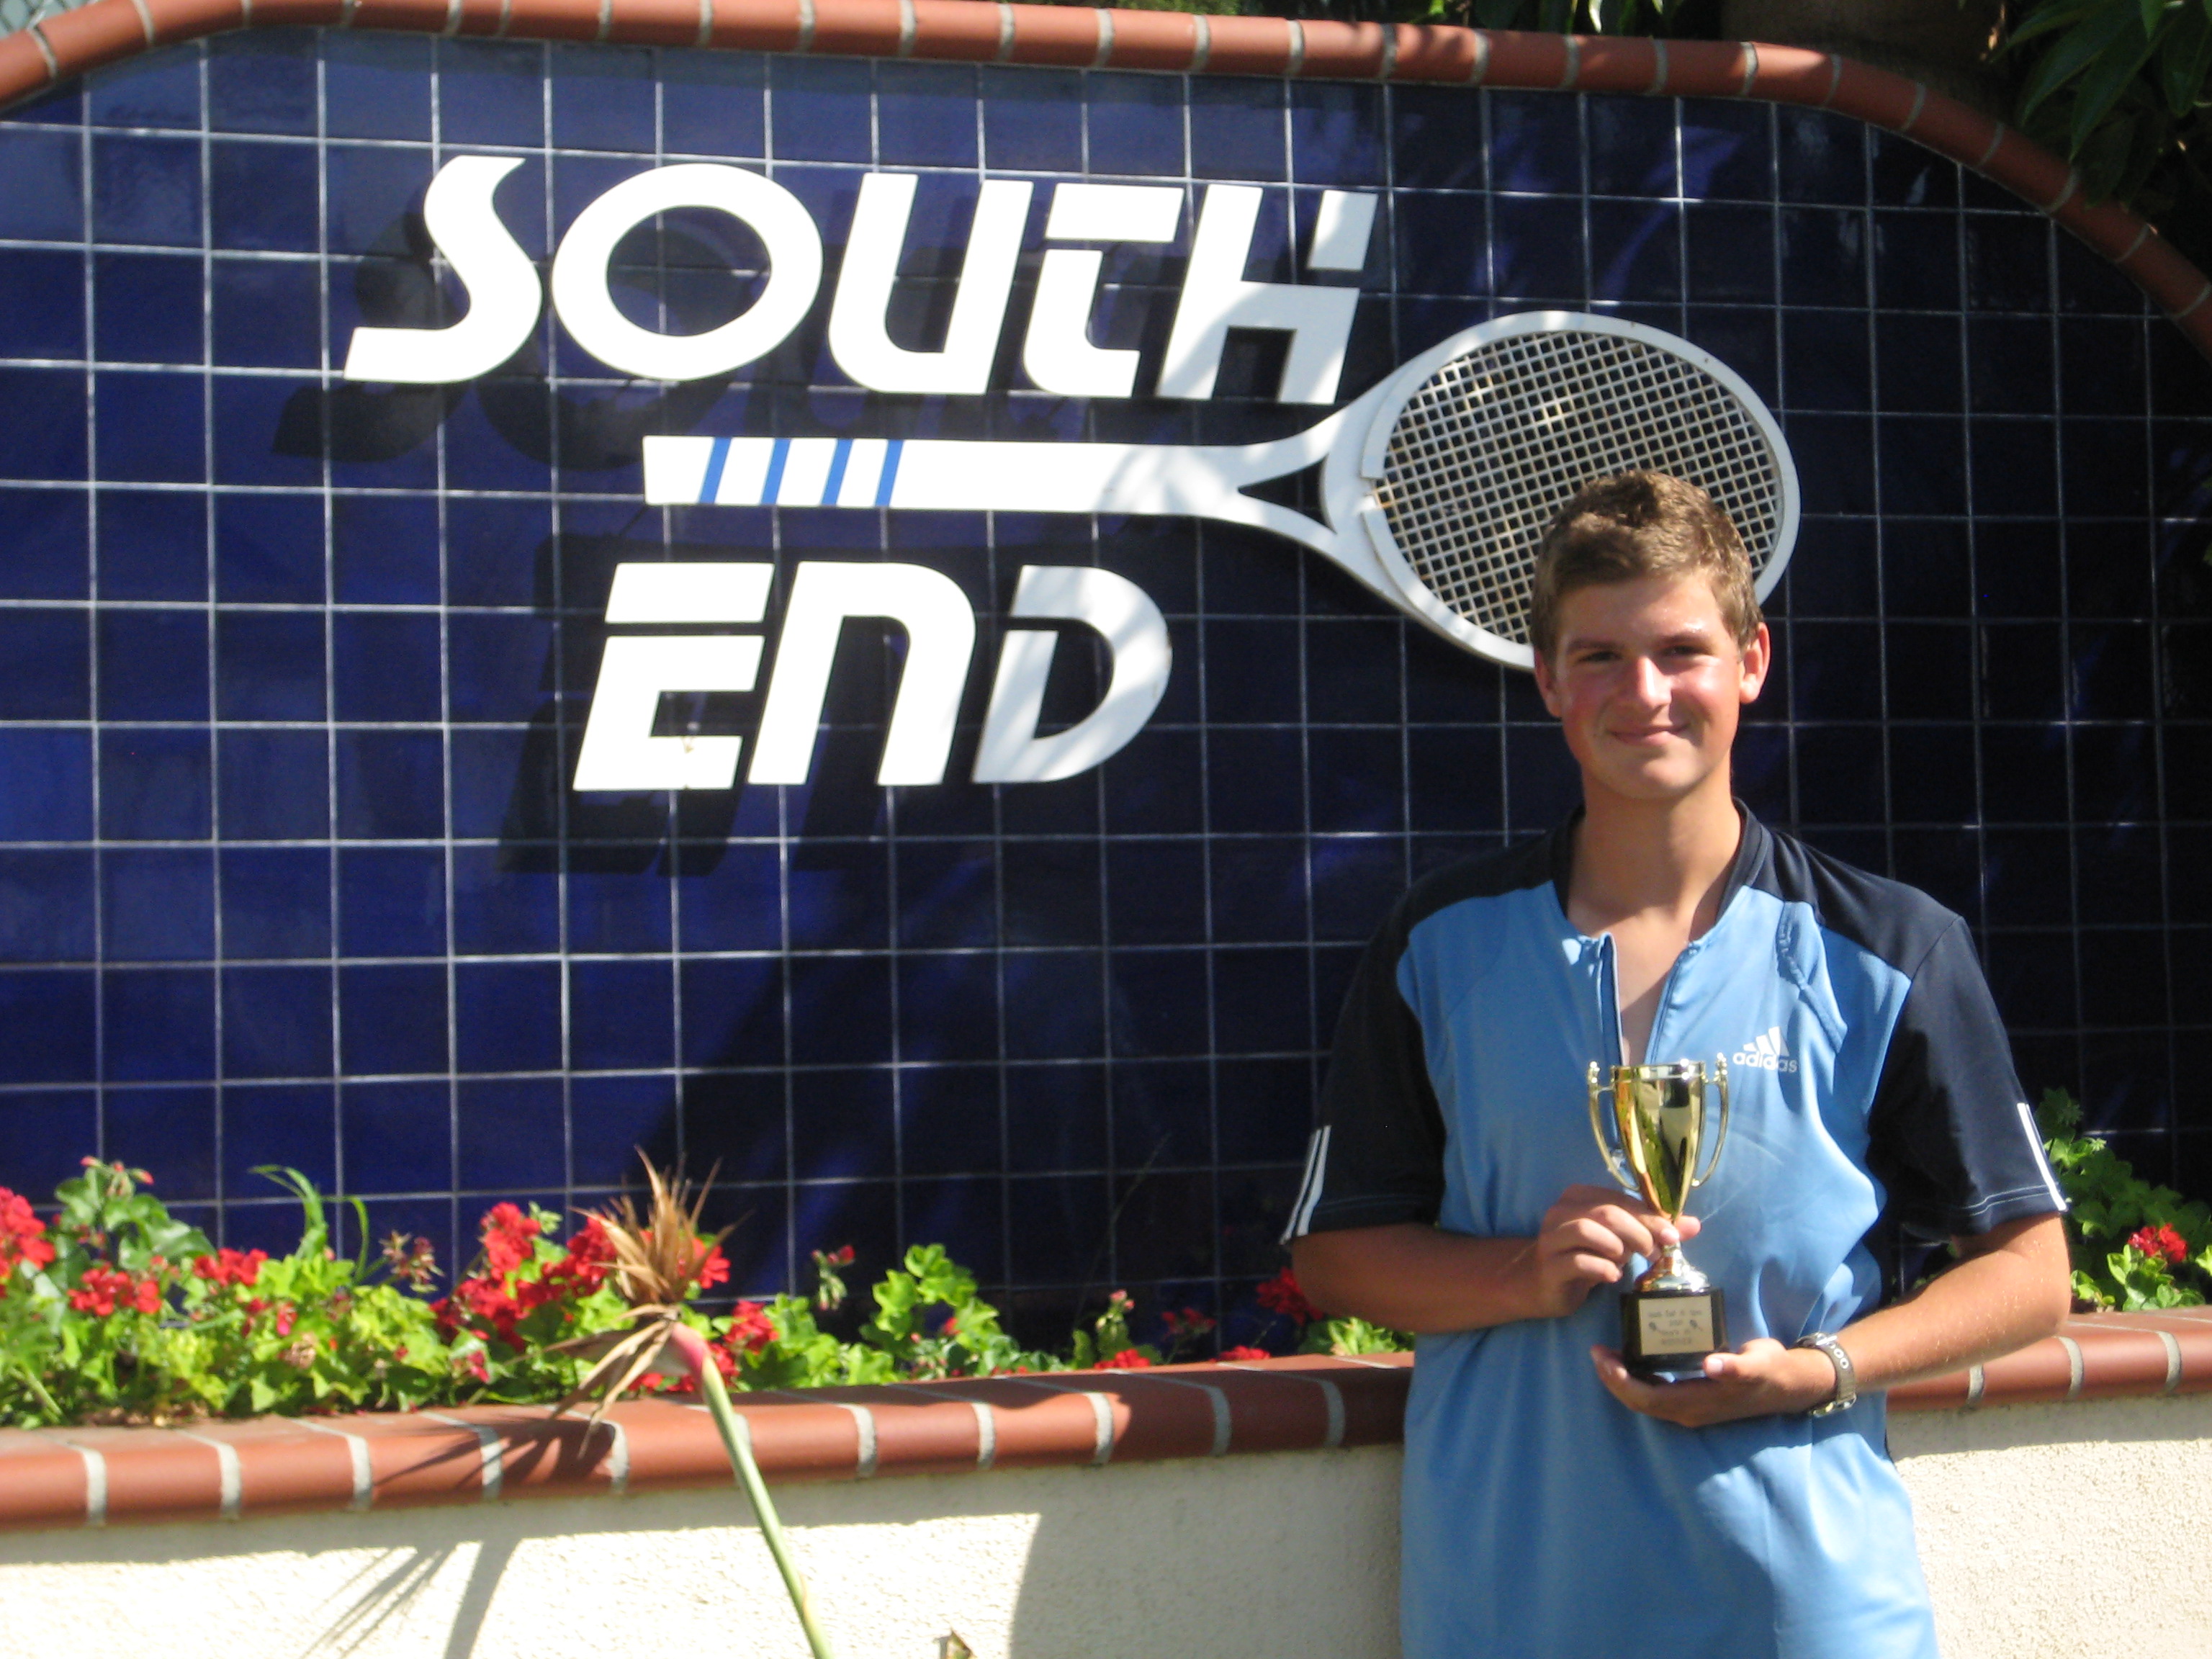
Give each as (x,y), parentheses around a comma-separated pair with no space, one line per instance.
(1613,1161)
(1720,1135)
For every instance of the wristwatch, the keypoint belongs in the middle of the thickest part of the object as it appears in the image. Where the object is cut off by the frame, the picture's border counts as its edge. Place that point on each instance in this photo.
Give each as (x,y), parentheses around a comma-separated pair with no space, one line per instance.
(1847,1381)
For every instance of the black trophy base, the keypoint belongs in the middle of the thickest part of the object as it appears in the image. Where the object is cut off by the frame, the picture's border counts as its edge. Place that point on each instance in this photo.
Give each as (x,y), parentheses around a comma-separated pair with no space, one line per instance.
(1665,1335)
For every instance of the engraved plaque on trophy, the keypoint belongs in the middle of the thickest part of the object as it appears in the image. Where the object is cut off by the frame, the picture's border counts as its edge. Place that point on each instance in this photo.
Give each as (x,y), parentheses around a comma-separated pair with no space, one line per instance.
(1673,1316)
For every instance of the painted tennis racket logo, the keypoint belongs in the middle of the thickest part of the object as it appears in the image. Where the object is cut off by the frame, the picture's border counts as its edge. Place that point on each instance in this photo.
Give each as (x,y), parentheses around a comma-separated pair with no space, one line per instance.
(1436,484)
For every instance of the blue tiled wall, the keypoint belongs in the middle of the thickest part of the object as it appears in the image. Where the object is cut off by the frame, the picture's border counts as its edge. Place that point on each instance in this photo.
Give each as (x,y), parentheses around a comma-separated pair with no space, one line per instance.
(288,869)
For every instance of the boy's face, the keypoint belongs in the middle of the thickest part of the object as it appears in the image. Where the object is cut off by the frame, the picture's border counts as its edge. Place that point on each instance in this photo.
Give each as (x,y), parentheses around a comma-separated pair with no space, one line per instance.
(1648,683)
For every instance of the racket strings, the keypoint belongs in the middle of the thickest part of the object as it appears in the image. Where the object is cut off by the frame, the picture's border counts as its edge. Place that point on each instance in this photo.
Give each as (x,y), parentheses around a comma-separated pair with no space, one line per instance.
(1493,443)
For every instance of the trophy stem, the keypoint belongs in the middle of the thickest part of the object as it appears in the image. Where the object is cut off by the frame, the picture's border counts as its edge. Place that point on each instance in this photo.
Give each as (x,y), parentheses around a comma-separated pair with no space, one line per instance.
(1671,1271)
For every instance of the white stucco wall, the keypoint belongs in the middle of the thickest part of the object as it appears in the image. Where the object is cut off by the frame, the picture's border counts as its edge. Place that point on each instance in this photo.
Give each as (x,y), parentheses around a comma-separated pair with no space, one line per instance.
(2047,1531)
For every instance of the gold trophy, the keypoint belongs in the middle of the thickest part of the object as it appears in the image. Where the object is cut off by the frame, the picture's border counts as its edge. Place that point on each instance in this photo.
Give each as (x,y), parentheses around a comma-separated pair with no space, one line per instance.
(1675,1315)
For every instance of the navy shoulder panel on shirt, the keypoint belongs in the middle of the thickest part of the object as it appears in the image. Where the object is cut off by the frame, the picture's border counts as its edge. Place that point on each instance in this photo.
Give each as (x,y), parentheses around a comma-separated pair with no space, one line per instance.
(1896,923)
(1513,869)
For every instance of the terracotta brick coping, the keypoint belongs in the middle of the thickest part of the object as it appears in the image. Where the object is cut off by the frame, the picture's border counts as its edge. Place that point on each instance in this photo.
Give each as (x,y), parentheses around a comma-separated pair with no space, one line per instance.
(52,1478)
(972,31)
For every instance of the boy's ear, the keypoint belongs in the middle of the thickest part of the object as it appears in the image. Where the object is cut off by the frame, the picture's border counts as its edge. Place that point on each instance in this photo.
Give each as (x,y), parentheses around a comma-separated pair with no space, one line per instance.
(1757,658)
(1546,688)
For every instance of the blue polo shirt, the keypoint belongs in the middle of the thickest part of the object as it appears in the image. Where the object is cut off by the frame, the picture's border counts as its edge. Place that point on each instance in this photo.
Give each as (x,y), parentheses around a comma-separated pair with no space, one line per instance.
(1875,1111)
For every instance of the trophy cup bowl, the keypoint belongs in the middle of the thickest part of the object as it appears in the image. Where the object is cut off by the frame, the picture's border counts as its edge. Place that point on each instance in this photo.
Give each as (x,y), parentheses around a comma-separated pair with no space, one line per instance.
(1673,1316)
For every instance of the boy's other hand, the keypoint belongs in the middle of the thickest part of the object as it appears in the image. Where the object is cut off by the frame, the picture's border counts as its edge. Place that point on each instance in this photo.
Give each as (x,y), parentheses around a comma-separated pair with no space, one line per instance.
(1586,1240)
(1760,1379)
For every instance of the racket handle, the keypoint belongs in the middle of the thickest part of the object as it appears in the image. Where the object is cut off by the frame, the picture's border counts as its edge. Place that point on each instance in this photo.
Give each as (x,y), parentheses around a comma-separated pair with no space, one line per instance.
(946,475)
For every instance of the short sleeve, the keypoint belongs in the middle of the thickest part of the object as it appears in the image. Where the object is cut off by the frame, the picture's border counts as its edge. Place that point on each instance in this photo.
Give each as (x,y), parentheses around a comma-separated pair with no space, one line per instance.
(1376,1154)
(1951,1135)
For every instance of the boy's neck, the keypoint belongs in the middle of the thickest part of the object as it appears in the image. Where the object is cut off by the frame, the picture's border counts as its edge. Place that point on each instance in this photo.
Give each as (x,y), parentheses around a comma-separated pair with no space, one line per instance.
(1641,857)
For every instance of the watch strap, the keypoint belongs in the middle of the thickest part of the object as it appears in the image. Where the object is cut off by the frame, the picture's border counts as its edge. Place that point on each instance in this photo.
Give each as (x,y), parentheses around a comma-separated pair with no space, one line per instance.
(1847,1382)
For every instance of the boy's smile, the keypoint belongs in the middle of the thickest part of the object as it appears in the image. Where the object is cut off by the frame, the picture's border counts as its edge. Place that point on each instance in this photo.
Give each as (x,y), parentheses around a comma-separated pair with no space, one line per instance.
(1648,684)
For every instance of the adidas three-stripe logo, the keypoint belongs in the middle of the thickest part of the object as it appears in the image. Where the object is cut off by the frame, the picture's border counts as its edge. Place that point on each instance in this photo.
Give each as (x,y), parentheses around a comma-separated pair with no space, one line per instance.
(1766,1052)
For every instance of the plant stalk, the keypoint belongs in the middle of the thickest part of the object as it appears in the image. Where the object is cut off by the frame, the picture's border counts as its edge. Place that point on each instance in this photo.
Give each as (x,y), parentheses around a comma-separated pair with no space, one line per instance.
(740,1449)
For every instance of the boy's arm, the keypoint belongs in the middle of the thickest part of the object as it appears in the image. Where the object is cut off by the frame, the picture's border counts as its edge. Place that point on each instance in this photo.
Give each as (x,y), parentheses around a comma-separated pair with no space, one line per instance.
(1413,1276)
(2011,1287)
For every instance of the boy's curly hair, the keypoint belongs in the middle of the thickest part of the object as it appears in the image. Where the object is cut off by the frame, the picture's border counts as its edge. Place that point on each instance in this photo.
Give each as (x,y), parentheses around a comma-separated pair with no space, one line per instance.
(1636,524)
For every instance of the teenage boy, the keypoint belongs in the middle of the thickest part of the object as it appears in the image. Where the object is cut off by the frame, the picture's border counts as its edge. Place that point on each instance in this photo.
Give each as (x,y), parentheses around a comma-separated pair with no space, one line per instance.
(1554,1506)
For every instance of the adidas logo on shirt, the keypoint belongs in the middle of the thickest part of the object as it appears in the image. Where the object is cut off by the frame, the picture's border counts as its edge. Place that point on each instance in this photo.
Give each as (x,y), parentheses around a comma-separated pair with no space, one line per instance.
(1765,1053)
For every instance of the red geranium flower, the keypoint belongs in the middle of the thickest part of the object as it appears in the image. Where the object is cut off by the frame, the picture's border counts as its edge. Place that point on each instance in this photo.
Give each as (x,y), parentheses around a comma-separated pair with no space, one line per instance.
(2161,1243)
(751,1328)
(1128,1360)
(22,1236)
(229,1267)
(1230,1355)
(1281,1294)
(103,1289)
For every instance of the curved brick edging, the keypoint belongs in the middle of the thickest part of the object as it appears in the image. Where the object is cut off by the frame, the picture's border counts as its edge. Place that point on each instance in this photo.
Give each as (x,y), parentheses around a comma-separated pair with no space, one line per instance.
(972,31)
(53,1478)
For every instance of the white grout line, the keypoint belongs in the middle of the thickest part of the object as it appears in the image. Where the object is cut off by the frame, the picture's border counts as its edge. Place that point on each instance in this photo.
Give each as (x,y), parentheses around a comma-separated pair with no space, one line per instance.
(226,1463)
(364,1480)
(864,1467)
(489,1449)
(987,1434)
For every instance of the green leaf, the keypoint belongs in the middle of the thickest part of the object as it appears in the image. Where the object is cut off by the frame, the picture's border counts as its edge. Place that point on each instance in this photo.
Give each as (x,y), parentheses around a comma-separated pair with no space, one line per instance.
(2101,87)
(2048,19)
(2184,62)
(2118,29)
(2153,11)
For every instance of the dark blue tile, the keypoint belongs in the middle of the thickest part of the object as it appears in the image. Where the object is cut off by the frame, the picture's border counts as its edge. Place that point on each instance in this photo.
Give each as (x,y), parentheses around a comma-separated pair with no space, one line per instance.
(42,423)
(2115,782)
(289,1129)
(1355,881)
(1053,1004)
(964,1214)
(396,1137)
(1727,150)
(391,785)
(1915,261)
(2008,365)
(392,902)
(842,1128)
(512,1132)
(1824,257)
(384,667)
(1236,130)
(1442,245)
(262,82)
(48,794)
(711,104)
(498,440)
(45,317)
(46,201)
(1730,253)
(617,902)
(2108,570)
(1262,1003)
(2008,262)
(154,784)
(1032,120)
(152,545)
(500,668)
(1635,250)
(926,114)
(159,91)
(1254,780)
(2025,877)
(368,196)
(493,549)
(493,92)
(150,429)
(1835,461)
(264,198)
(947,1005)
(610,1118)
(1918,359)
(1164,1227)
(1537,249)
(1631,146)
(377,86)
(1338,134)
(1156,1003)
(1939,762)
(1135,124)
(46,904)
(2105,467)
(49,654)
(157,904)
(1821,157)
(168,1133)
(947,895)
(1436,139)
(47,544)
(277,1022)
(1535,144)
(840,897)
(276,902)
(506,1017)
(603,97)
(51,1017)
(269,550)
(1060,1228)
(267,431)
(153,665)
(146,190)
(733,1011)
(2016,466)
(504,905)
(841,1010)
(157,1025)
(275,786)
(43,1134)
(1541,783)
(1355,783)
(733,1123)
(822,109)
(392,1019)
(1923,465)
(2112,674)
(621,1015)
(264,315)
(506,783)
(2101,367)
(268,665)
